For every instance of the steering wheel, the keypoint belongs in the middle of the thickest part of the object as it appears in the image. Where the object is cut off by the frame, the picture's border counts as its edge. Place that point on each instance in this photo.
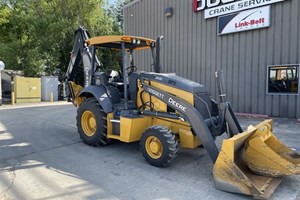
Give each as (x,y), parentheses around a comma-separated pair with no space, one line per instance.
(283,84)
(131,69)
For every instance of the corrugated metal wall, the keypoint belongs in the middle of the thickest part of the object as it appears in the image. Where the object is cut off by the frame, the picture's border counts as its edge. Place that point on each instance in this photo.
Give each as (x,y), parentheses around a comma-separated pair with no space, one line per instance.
(192,49)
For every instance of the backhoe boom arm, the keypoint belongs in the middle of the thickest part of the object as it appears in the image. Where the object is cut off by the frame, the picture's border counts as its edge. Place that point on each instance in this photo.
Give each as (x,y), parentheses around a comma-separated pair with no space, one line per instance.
(80,54)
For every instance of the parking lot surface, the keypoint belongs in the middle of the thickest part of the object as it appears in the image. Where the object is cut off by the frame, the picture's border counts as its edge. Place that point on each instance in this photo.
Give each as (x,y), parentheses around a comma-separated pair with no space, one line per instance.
(42,157)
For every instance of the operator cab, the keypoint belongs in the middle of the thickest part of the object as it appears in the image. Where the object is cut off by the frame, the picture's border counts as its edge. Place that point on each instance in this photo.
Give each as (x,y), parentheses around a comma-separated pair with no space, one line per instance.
(120,84)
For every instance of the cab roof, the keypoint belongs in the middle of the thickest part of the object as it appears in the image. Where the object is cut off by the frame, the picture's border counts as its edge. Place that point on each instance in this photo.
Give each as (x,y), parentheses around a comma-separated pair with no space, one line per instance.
(114,42)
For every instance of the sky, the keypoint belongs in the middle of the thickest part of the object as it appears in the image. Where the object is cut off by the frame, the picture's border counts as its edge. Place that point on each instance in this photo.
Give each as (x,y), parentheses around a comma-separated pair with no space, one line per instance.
(111,1)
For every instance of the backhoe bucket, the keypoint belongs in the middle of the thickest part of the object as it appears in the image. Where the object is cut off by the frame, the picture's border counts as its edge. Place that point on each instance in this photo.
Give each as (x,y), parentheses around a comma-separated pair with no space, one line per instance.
(254,162)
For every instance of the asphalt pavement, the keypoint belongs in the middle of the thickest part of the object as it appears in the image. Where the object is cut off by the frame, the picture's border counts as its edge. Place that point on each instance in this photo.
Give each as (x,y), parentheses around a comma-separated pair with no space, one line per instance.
(42,157)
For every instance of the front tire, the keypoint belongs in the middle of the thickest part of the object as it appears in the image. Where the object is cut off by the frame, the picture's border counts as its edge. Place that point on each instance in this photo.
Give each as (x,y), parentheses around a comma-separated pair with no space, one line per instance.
(159,146)
(91,123)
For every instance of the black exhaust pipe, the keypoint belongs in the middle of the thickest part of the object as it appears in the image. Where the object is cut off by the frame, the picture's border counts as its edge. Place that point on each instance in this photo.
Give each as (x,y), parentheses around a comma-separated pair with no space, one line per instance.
(157,68)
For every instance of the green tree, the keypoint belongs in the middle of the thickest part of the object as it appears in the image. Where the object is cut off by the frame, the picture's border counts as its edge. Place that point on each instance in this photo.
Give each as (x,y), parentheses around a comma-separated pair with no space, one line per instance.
(115,13)
(36,35)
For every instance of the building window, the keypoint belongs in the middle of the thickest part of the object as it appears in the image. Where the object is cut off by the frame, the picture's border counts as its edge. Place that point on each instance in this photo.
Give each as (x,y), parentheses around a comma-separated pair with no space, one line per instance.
(283,79)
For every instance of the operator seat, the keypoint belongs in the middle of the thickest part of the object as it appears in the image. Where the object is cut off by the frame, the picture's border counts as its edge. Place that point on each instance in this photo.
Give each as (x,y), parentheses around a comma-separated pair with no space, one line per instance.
(113,92)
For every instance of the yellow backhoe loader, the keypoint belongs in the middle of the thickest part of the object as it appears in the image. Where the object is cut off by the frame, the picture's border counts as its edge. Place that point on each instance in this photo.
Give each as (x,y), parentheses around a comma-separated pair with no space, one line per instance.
(163,111)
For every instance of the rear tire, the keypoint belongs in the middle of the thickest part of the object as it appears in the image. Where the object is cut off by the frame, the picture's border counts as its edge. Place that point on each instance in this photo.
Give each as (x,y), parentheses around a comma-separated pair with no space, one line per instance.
(159,146)
(91,123)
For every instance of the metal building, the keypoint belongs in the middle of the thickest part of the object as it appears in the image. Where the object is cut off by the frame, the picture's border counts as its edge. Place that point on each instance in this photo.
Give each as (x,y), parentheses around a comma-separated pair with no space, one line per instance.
(254,61)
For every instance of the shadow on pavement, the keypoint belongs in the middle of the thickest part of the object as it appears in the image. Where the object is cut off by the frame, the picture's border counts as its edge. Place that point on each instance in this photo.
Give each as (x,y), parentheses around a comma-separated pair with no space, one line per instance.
(42,157)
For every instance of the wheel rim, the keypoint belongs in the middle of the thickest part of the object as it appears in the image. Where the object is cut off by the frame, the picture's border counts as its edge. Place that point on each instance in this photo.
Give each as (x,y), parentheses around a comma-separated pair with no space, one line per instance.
(154,147)
(88,123)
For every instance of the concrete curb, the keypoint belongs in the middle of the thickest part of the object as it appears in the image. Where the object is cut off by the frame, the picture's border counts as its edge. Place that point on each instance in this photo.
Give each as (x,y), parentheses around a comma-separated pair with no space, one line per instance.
(252,115)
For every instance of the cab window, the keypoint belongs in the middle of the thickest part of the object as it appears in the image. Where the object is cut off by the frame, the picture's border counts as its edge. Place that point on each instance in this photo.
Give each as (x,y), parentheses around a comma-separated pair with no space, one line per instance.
(283,79)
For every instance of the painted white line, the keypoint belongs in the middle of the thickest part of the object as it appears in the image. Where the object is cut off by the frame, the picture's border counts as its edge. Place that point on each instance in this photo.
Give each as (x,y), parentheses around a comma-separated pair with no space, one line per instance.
(29,105)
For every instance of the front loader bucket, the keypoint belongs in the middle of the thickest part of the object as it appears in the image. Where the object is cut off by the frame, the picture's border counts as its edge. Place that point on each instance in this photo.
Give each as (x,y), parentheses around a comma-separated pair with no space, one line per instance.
(253,147)
(266,155)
